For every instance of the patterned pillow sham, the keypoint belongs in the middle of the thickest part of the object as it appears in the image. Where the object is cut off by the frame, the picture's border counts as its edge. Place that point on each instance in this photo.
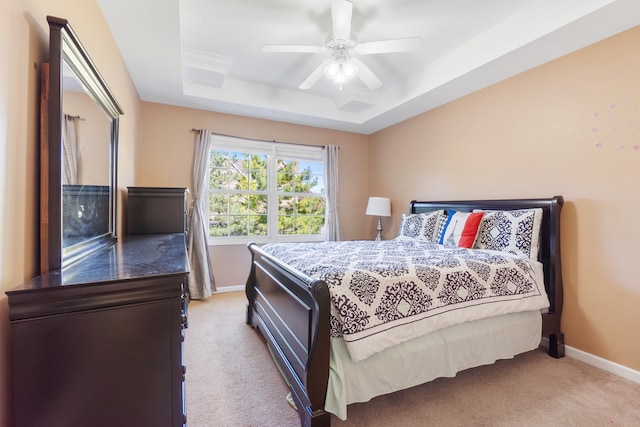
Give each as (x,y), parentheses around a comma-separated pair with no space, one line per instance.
(442,221)
(515,231)
(461,229)
(422,226)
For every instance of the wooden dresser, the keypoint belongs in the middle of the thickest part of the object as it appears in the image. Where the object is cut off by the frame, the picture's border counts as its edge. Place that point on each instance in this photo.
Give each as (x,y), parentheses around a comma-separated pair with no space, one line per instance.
(100,343)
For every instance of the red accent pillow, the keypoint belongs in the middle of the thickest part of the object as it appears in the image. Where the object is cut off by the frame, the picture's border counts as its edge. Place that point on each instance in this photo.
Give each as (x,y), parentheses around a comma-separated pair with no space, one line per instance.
(461,229)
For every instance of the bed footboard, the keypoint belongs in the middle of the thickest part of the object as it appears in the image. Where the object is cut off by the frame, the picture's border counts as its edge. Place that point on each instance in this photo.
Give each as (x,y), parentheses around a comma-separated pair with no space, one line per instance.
(291,311)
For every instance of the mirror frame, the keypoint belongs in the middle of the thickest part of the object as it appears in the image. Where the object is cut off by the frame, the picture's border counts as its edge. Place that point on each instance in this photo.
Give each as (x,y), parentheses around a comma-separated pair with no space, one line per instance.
(65,47)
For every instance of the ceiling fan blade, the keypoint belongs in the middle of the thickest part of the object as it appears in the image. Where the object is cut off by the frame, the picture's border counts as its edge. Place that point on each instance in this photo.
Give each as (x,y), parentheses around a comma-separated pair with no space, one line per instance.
(366,75)
(341,11)
(388,46)
(314,76)
(292,48)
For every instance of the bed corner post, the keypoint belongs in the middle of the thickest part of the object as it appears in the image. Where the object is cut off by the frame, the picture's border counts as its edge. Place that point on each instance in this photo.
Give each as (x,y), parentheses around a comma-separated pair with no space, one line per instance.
(552,321)
(556,345)
(318,364)
(249,288)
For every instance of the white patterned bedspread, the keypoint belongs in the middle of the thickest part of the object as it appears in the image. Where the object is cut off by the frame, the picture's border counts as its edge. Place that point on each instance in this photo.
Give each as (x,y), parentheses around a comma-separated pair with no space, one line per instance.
(387,292)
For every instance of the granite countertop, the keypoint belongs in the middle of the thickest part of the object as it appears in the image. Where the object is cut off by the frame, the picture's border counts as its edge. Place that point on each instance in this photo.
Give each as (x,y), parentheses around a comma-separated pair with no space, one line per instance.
(132,257)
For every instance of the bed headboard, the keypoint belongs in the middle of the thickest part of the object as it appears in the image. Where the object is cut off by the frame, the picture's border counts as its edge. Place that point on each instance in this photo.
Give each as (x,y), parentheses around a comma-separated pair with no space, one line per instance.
(549,253)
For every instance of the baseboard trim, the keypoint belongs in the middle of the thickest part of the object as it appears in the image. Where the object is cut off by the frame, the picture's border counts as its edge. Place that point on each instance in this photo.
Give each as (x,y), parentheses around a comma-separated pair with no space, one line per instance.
(604,364)
(223,289)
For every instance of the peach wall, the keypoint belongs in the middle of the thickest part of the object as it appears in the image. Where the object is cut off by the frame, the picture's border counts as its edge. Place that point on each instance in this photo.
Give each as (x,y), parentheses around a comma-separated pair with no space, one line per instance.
(570,127)
(23,47)
(165,157)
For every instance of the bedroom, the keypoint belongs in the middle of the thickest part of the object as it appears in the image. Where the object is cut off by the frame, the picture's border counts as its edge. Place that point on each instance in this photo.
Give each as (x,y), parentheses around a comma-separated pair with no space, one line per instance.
(541,120)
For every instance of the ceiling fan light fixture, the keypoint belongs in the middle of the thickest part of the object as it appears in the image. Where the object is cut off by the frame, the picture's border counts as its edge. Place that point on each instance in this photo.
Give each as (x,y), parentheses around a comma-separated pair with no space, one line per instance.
(349,69)
(340,71)
(344,49)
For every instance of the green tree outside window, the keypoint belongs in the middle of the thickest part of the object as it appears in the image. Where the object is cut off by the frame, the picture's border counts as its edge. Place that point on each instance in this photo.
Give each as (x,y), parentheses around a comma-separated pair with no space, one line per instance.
(239,195)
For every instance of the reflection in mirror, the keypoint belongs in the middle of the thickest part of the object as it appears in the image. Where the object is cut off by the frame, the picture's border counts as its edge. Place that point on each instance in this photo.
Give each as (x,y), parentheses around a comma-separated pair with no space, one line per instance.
(86,132)
(86,135)
(79,150)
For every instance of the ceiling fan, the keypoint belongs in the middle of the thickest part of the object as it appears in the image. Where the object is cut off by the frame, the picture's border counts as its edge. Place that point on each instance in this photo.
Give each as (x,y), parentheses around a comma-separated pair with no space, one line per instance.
(343,65)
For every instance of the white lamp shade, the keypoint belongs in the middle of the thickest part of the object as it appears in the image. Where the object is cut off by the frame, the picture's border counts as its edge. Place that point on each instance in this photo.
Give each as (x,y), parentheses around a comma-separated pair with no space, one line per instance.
(379,206)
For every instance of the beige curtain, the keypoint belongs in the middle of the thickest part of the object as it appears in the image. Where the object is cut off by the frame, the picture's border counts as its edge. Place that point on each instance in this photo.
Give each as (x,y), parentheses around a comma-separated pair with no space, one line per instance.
(331,221)
(201,280)
(70,149)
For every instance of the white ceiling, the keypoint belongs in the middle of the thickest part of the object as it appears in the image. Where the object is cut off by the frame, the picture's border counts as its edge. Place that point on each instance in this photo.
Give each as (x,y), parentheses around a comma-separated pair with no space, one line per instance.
(206,54)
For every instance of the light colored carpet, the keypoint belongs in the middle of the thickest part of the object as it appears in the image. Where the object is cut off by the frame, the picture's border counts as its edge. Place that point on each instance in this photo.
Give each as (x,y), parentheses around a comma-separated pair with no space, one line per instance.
(232,381)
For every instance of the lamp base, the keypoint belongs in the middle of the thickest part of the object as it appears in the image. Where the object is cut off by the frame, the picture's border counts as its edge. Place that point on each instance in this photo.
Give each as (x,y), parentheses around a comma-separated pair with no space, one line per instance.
(379,230)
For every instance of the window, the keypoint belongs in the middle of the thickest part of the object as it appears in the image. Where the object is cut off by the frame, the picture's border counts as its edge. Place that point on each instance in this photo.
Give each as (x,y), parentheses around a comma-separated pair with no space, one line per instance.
(261,191)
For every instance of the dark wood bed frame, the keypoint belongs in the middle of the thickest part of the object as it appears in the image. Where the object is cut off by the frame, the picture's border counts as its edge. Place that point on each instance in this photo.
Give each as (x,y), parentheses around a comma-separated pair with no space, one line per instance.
(291,310)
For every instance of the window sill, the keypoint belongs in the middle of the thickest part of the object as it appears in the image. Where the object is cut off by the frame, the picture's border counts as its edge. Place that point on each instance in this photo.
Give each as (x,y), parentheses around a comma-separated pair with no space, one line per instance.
(261,240)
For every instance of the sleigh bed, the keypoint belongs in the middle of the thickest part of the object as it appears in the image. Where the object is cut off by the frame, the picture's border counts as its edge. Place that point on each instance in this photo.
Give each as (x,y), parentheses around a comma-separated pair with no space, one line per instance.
(333,352)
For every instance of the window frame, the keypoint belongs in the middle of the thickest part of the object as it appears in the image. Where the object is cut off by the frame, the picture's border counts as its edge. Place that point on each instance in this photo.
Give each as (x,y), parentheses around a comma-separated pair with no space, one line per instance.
(273,151)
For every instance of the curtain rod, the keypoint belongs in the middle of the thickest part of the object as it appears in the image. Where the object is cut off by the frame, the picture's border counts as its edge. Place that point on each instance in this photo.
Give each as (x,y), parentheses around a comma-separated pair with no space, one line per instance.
(260,140)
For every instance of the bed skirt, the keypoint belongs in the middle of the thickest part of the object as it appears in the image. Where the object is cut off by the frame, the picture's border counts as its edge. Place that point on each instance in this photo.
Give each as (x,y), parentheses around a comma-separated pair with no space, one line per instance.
(442,353)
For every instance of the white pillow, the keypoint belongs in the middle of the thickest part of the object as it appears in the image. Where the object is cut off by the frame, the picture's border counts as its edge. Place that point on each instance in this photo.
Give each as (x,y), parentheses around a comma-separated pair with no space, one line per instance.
(515,231)
(422,226)
(442,221)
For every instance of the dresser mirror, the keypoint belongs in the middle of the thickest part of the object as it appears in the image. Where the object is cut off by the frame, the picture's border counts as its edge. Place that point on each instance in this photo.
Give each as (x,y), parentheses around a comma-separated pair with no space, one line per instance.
(79,140)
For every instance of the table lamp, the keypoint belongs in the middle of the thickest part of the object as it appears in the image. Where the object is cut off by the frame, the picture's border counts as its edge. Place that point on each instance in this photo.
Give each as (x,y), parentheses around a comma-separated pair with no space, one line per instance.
(379,206)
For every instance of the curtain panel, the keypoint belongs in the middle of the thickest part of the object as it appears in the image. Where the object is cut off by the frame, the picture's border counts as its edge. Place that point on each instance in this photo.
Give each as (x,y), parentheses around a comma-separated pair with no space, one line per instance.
(70,150)
(201,280)
(332,229)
